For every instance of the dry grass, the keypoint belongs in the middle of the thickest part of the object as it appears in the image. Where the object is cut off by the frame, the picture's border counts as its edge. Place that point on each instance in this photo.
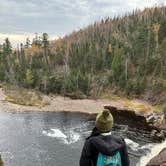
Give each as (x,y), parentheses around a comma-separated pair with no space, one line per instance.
(111,97)
(161,107)
(23,96)
(129,104)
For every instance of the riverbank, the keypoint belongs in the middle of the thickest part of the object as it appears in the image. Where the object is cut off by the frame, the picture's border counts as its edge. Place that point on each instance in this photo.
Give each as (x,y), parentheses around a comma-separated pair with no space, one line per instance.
(59,104)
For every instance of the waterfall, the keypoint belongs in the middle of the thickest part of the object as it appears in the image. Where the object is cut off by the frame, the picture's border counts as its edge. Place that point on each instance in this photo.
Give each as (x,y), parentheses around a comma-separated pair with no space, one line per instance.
(155,149)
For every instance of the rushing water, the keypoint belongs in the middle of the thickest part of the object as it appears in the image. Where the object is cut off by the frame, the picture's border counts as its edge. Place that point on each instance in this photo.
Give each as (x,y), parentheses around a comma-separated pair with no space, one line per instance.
(56,139)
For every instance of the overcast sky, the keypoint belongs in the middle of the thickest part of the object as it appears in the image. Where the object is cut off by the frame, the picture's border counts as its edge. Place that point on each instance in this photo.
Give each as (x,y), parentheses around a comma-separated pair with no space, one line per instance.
(22,18)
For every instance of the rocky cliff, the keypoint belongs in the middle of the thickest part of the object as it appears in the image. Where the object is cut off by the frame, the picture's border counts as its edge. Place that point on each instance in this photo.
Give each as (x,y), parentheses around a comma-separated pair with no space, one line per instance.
(149,119)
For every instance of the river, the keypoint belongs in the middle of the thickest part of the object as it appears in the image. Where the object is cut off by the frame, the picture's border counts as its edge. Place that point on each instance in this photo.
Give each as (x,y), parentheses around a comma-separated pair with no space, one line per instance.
(56,139)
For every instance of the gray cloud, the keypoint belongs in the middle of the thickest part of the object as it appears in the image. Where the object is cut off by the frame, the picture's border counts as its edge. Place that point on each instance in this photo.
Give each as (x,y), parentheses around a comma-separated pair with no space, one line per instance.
(58,17)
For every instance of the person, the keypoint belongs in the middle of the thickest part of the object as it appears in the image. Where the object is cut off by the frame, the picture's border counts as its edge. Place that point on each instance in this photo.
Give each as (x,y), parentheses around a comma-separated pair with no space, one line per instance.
(102,143)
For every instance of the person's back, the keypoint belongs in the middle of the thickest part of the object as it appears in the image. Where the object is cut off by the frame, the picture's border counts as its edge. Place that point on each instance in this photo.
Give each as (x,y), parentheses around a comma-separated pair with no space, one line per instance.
(102,148)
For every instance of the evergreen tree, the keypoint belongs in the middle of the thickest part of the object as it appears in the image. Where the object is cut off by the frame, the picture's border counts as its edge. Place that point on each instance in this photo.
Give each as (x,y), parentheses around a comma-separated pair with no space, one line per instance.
(45,45)
(29,78)
(126,53)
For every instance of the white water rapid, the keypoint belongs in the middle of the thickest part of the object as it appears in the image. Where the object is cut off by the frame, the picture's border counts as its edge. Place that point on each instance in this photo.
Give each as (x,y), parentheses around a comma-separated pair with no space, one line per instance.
(67,138)
(154,150)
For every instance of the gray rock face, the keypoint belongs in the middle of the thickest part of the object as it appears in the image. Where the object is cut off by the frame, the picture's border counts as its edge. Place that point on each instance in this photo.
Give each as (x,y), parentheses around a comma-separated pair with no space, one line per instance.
(159,160)
(153,121)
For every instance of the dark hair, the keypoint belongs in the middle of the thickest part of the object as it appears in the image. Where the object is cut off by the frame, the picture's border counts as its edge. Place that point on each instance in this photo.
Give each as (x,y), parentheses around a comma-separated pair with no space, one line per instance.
(95,132)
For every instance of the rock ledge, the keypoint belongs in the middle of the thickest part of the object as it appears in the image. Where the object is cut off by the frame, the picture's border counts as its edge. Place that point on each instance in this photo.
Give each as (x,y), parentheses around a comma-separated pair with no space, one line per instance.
(151,120)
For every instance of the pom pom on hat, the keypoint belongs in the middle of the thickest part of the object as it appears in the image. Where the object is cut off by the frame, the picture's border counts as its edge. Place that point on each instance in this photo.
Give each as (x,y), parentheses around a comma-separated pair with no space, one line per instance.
(104,121)
(105,113)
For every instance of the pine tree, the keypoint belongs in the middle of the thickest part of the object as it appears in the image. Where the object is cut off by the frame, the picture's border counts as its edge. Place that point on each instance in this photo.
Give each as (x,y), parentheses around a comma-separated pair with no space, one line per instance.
(27,44)
(29,78)
(45,45)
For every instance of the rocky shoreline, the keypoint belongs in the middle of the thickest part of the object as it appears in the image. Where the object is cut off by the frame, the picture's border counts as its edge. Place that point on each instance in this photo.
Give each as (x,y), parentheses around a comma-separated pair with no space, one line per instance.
(56,104)
(60,103)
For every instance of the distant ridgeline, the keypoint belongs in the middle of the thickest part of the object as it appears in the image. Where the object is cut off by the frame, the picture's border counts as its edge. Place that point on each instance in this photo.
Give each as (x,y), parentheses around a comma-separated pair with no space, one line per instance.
(125,54)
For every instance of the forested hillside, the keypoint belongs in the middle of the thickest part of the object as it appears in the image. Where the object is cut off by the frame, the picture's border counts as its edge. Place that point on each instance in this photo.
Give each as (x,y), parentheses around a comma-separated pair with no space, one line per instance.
(123,55)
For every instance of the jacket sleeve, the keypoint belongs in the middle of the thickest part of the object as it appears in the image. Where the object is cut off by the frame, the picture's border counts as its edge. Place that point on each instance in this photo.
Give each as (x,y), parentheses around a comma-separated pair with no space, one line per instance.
(86,156)
(124,155)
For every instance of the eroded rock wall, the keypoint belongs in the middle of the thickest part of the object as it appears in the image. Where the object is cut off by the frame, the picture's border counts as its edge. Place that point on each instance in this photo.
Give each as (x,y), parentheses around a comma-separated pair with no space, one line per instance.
(151,120)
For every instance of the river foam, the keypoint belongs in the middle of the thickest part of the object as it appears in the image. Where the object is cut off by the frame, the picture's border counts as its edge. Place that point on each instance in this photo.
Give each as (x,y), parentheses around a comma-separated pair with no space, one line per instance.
(133,145)
(67,138)
(55,133)
(155,149)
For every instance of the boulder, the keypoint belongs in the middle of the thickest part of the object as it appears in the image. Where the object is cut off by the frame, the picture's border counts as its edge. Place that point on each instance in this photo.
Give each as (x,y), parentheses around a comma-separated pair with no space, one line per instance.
(159,160)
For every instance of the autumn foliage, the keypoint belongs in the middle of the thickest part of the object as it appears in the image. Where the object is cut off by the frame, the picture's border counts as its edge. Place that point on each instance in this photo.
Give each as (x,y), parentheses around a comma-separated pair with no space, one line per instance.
(123,54)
